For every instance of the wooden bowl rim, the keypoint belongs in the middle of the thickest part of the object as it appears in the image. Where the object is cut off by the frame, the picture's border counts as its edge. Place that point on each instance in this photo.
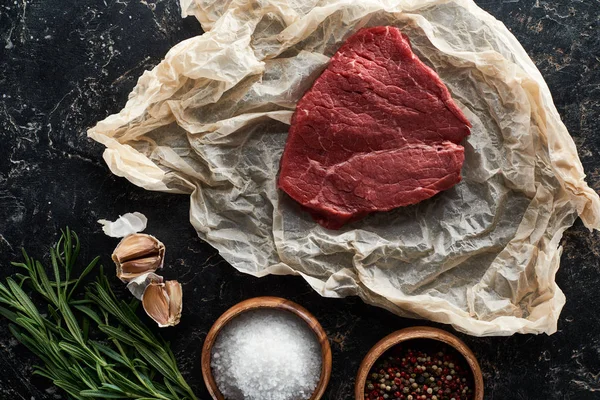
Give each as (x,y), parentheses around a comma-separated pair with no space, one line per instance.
(414,333)
(272,302)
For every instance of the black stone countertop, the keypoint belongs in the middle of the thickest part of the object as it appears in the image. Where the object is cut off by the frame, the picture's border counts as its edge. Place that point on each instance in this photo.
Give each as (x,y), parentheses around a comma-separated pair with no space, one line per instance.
(65,64)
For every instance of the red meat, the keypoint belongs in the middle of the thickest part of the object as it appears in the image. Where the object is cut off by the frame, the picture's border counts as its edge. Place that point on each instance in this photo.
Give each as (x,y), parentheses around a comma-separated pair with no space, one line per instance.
(378,130)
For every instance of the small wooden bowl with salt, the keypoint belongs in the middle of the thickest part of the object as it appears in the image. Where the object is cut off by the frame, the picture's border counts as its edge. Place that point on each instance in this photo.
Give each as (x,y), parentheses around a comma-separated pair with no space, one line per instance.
(428,338)
(263,304)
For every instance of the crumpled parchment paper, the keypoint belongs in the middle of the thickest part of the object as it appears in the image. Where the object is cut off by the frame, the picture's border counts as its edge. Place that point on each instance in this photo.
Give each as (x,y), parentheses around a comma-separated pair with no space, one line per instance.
(211,121)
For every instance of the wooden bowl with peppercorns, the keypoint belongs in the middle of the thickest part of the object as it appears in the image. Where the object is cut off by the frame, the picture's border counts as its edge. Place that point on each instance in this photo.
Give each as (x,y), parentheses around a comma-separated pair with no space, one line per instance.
(419,363)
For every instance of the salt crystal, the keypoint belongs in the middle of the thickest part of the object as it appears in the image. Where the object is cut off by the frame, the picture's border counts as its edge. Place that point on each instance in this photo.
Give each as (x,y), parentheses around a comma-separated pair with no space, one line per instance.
(266,355)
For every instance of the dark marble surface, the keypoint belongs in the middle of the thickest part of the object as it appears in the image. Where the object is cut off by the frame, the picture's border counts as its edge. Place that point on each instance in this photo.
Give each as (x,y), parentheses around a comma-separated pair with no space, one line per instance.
(65,64)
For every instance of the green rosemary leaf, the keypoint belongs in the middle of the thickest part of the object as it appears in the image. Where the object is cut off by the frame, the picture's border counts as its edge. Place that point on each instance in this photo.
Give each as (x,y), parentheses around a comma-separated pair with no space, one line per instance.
(22,278)
(98,394)
(63,333)
(18,264)
(113,388)
(43,283)
(133,304)
(85,272)
(155,361)
(73,248)
(139,363)
(54,262)
(85,378)
(32,328)
(131,387)
(67,248)
(25,341)
(89,312)
(53,350)
(7,296)
(110,353)
(26,257)
(60,245)
(85,329)
(171,389)
(43,372)
(77,352)
(146,381)
(70,388)
(27,305)
(70,321)
(6,313)
(35,348)
(118,334)
(81,302)
(101,298)
(131,320)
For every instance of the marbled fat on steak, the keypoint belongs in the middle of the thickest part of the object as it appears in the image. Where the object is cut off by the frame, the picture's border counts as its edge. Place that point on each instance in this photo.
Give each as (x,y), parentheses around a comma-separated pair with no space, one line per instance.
(378,130)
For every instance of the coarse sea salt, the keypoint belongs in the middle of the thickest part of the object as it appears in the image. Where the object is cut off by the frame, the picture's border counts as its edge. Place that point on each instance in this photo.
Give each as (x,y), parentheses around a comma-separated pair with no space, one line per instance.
(266,355)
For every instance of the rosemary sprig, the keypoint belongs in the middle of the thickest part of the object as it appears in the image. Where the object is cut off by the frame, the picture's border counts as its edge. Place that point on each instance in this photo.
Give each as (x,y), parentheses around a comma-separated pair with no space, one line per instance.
(92,347)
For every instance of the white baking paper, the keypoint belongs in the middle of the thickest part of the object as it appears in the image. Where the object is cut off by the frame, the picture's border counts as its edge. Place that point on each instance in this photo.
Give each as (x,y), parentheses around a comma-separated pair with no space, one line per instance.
(211,120)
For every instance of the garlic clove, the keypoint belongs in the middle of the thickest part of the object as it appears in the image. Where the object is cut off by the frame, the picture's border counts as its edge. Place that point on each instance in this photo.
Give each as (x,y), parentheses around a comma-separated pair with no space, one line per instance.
(141,265)
(175,294)
(138,254)
(156,303)
(163,302)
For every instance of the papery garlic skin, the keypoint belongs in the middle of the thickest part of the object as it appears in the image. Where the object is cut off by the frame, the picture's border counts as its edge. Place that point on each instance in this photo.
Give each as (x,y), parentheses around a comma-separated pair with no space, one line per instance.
(137,255)
(137,286)
(163,302)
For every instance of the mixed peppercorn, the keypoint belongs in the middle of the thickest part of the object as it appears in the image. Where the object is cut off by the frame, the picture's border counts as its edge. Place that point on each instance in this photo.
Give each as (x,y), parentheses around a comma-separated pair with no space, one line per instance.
(415,375)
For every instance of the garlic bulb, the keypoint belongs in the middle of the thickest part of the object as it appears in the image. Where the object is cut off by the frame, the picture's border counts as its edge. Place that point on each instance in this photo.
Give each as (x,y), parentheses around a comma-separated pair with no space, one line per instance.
(163,302)
(137,255)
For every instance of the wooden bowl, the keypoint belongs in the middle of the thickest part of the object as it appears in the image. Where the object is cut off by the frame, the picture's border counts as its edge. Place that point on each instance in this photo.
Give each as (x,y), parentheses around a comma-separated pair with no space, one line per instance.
(261,303)
(417,333)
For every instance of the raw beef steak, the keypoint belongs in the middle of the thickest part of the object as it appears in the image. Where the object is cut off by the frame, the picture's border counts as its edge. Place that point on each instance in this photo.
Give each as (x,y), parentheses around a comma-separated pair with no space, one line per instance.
(377,130)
